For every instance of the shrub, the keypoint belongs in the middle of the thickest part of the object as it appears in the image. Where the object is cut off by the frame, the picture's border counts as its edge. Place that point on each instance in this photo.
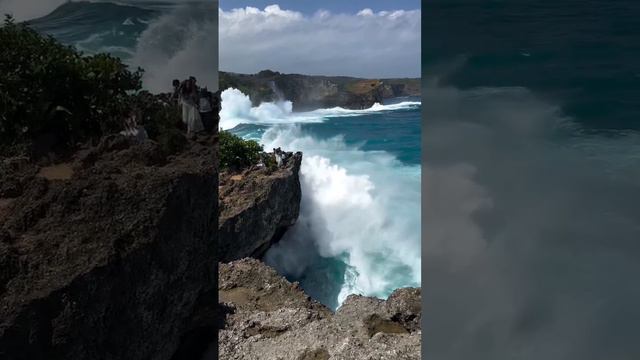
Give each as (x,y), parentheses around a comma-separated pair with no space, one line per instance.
(237,153)
(269,161)
(47,88)
(158,115)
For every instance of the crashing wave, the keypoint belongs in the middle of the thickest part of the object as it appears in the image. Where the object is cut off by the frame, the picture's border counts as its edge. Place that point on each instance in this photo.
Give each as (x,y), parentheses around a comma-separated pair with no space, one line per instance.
(360,214)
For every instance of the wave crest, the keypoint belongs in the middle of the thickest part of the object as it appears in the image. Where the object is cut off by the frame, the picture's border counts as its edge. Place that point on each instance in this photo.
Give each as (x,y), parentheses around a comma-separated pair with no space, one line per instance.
(359,224)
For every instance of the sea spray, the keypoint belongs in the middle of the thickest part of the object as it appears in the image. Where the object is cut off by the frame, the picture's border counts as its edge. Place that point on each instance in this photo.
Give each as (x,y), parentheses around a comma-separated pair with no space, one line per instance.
(179,44)
(236,109)
(359,226)
(169,40)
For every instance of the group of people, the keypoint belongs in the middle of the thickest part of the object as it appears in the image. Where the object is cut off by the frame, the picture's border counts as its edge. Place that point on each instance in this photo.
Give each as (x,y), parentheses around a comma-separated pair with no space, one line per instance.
(281,156)
(198,110)
(197,106)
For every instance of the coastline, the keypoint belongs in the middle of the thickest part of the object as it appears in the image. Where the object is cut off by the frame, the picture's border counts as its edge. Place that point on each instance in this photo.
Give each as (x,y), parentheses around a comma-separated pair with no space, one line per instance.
(308,92)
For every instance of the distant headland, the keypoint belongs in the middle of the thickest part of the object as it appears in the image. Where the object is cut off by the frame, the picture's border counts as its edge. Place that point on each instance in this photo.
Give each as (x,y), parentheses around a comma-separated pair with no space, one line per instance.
(310,91)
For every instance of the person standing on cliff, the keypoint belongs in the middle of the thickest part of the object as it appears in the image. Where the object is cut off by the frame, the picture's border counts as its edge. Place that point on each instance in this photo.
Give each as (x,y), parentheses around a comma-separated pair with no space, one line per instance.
(176,91)
(216,108)
(190,101)
(206,110)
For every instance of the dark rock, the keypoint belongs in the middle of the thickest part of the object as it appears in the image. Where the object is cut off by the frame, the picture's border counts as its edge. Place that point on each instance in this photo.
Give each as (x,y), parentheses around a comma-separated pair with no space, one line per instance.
(257,206)
(116,262)
(376,324)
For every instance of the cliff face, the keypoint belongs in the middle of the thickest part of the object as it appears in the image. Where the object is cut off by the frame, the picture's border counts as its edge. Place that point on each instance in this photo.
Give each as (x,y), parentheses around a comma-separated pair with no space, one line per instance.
(311,92)
(256,208)
(270,318)
(109,256)
(263,316)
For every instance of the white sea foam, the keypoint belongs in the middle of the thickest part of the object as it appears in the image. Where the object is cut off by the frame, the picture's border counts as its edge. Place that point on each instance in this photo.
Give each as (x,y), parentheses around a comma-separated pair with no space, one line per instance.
(377,107)
(362,207)
(237,109)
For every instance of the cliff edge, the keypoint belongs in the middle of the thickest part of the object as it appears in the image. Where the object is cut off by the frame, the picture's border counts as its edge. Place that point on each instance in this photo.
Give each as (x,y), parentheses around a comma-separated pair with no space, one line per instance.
(257,206)
(110,255)
(264,316)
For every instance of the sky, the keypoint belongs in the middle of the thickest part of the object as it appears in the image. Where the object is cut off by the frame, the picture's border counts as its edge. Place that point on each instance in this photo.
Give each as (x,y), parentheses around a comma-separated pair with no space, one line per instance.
(309,7)
(371,39)
(335,38)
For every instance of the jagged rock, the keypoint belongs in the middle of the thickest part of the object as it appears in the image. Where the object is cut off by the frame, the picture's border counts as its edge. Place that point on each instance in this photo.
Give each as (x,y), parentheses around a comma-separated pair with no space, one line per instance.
(113,262)
(256,207)
(270,318)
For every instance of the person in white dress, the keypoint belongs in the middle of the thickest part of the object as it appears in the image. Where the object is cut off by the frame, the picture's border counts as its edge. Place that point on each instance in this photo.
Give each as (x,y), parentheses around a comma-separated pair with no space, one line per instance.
(189,99)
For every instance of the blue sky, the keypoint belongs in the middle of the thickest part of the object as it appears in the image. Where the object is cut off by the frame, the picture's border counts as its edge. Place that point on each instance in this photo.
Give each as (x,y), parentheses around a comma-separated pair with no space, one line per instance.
(353,38)
(336,6)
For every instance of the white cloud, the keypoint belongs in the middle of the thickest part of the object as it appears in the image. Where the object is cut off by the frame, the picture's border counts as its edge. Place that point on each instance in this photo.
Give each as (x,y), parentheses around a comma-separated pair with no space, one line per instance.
(366,44)
(366,12)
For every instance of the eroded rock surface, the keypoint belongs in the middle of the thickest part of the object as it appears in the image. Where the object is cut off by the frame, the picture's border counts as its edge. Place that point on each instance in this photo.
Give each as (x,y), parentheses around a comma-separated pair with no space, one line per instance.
(111,260)
(257,206)
(271,318)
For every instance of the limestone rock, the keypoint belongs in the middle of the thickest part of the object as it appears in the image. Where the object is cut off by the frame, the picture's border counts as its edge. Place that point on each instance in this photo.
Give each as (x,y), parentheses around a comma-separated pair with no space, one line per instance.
(257,206)
(269,318)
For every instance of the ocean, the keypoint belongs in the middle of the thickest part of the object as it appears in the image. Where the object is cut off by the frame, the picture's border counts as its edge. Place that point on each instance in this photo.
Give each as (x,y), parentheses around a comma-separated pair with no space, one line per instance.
(169,40)
(359,225)
(531,179)
(359,229)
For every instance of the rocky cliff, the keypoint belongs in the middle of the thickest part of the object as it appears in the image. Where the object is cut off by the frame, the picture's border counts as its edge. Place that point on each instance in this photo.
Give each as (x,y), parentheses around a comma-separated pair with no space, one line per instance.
(312,92)
(110,255)
(269,318)
(256,207)
(263,316)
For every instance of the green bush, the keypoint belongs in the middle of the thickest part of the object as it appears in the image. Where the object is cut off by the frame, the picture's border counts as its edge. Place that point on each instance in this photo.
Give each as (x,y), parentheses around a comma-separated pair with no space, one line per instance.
(47,88)
(236,153)
(269,161)
(158,115)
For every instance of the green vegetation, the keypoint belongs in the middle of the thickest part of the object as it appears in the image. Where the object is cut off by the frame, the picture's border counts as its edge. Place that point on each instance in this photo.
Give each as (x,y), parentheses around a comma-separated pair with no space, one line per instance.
(236,153)
(157,112)
(51,90)
(256,91)
(269,161)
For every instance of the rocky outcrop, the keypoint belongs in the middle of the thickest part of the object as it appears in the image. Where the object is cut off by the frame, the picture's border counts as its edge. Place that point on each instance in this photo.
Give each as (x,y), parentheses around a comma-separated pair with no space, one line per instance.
(256,207)
(270,318)
(109,256)
(312,92)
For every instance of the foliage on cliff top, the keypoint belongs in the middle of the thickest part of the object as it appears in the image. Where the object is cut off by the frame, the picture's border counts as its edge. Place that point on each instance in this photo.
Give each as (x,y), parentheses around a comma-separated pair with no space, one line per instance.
(49,89)
(257,90)
(237,153)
